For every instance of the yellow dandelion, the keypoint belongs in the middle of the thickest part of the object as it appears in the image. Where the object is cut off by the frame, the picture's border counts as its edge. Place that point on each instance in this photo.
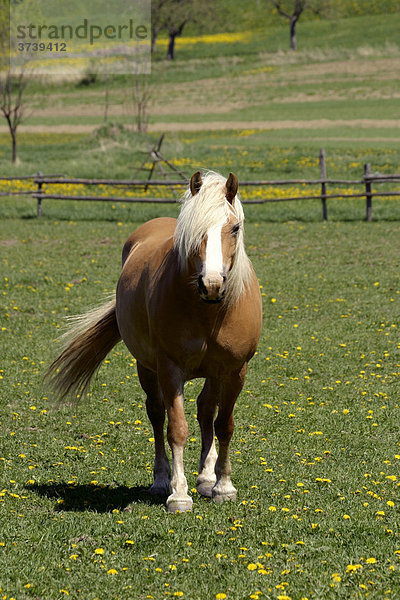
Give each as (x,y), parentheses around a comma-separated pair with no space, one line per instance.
(353,568)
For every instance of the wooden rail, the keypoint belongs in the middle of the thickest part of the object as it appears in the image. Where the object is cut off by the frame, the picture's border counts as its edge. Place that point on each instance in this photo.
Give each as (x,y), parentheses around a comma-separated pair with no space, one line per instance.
(366,182)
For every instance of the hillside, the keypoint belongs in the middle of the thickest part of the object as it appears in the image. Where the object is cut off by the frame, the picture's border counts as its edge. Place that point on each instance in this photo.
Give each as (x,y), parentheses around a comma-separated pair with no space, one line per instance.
(339,90)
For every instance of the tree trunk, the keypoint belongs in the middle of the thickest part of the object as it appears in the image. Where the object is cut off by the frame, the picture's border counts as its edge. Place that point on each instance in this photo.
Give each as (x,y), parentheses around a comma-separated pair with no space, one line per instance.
(106,100)
(14,145)
(293,41)
(171,46)
(153,40)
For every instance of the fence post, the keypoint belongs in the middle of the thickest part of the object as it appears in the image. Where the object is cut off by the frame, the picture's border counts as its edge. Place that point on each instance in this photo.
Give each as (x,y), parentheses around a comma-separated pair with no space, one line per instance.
(39,199)
(322,166)
(39,183)
(368,191)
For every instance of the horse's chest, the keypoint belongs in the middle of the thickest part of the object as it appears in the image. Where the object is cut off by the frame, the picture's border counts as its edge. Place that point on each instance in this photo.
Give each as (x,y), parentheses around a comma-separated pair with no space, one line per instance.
(192,352)
(208,357)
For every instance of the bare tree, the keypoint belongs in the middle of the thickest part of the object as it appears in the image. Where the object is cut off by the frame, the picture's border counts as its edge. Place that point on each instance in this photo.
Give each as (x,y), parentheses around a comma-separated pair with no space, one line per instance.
(172,16)
(12,89)
(175,29)
(141,92)
(141,96)
(293,9)
(13,84)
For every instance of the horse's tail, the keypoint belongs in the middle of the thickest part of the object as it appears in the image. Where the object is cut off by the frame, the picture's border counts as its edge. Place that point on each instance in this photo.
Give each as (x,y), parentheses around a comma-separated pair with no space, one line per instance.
(88,342)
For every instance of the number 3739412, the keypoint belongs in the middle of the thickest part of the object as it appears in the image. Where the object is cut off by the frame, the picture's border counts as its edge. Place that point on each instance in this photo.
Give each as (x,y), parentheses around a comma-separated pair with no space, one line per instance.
(42,47)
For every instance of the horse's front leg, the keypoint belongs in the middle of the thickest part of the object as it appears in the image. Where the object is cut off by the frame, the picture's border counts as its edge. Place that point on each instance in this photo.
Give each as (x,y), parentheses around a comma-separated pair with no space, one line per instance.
(171,383)
(224,426)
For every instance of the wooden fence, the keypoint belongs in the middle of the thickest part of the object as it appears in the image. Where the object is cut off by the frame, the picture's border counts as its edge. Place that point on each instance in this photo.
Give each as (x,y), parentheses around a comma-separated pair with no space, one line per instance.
(366,192)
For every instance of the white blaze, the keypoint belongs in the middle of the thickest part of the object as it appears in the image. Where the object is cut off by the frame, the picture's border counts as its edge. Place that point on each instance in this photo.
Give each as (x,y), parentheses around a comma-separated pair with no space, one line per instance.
(214,261)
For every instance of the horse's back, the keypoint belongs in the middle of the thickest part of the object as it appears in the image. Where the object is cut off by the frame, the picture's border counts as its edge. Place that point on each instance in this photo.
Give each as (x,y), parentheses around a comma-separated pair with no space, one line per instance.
(152,233)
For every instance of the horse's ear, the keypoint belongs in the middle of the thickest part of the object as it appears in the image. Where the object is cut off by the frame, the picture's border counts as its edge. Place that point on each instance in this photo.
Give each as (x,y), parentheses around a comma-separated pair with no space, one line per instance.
(232,185)
(195,183)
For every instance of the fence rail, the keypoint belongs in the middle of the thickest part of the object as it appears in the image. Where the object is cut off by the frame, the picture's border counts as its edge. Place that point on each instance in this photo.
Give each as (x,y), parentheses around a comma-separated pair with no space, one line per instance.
(366,182)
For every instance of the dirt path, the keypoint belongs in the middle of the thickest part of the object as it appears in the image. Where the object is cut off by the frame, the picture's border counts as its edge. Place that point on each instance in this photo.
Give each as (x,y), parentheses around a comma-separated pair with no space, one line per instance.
(314,124)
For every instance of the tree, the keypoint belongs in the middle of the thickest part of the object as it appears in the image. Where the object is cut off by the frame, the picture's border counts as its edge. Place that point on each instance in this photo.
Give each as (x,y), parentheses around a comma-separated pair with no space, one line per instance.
(12,88)
(175,29)
(12,83)
(172,16)
(293,10)
(141,96)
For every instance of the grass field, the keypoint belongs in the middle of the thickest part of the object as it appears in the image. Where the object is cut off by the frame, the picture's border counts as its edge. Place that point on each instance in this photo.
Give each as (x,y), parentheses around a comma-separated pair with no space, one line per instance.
(316,448)
(316,451)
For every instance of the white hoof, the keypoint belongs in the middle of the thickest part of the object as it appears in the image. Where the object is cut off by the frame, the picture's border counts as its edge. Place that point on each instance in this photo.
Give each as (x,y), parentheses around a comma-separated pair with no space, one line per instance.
(205,486)
(220,493)
(179,504)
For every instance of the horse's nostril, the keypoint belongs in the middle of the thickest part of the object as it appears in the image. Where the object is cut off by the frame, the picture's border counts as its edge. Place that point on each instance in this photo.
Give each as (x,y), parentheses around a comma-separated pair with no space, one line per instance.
(202,287)
(224,278)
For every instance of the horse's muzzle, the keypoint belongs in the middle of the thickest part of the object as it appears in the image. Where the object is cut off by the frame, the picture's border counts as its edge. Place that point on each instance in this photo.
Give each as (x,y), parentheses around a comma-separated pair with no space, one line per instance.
(211,288)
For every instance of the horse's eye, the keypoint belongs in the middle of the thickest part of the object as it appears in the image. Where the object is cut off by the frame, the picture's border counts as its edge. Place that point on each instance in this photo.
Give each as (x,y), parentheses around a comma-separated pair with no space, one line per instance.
(235,229)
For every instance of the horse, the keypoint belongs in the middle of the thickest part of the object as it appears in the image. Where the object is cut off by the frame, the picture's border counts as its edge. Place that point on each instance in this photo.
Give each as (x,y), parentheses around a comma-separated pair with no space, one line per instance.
(187,305)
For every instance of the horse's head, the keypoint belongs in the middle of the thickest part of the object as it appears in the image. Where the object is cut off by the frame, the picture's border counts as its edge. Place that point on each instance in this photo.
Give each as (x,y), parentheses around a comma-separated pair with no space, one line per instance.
(214,256)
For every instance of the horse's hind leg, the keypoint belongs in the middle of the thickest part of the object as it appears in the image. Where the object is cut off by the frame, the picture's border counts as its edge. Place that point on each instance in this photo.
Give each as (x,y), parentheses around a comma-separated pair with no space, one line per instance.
(156,413)
(224,425)
(206,407)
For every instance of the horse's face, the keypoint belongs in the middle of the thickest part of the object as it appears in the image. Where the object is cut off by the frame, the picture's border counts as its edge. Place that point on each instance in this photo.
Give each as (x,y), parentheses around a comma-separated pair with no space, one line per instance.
(217,249)
(215,260)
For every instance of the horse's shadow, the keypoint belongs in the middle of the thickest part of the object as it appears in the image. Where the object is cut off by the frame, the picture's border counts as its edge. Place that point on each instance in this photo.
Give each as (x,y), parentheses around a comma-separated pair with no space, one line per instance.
(101,499)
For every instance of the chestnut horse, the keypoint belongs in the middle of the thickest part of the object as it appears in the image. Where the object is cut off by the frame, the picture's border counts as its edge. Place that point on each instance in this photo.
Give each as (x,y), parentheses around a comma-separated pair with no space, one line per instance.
(187,305)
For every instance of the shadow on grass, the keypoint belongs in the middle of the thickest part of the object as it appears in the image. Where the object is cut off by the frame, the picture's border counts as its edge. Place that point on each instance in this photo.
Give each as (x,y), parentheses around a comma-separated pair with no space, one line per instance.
(100,499)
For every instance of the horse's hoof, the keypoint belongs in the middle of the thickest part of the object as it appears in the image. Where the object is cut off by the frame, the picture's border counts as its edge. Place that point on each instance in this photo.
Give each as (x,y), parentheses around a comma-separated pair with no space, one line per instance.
(159,489)
(220,496)
(205,487)
(176,504)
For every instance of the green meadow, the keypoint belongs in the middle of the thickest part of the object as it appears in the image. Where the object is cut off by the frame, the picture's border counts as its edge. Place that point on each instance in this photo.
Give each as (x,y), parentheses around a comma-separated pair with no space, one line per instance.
(315,452)
(316,449)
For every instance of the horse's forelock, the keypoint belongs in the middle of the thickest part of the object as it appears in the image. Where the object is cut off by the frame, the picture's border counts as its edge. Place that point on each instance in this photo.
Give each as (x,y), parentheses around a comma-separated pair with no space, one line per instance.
(207,208)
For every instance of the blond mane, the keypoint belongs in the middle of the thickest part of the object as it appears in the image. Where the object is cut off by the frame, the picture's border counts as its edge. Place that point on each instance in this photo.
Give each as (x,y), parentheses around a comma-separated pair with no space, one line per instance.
(209,208)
